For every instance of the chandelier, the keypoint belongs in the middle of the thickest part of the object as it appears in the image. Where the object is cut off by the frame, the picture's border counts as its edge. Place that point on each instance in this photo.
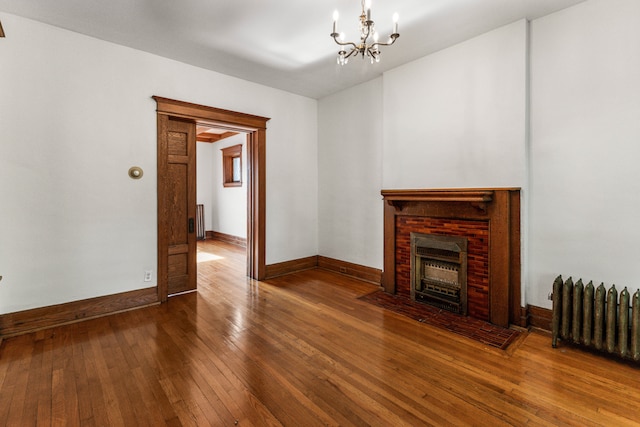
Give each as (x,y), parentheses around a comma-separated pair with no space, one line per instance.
(369,45)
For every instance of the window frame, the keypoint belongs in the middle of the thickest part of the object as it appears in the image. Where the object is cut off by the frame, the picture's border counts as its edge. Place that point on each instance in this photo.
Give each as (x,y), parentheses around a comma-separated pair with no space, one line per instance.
(228,156)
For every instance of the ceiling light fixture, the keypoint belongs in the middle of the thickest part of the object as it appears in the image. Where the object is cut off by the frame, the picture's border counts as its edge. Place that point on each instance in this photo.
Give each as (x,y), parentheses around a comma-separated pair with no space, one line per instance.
(366,47)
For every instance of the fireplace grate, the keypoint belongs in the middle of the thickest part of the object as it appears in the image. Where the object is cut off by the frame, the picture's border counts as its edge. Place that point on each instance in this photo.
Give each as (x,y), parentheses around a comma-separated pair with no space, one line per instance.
(439,270)
(443,288)
(437,302)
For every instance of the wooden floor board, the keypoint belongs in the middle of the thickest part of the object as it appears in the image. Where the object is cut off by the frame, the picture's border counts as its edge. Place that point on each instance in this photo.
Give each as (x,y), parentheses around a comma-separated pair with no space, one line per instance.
(296,350)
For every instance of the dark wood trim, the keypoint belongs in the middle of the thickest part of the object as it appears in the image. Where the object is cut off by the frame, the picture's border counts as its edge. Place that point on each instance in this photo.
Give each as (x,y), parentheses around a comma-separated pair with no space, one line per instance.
(255,127)
(293,266)
(214,137)
(163,220)
(217,117)
(357,271)
(539,317)
(388,279)
(228,238)
(499,206)
(256,205)
(499,259)
(443,195)
(367,274)
(228,154)
(517,312)
(26,321)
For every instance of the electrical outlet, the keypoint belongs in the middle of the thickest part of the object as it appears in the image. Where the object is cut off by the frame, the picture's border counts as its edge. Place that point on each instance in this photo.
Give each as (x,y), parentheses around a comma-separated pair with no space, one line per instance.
(147,275)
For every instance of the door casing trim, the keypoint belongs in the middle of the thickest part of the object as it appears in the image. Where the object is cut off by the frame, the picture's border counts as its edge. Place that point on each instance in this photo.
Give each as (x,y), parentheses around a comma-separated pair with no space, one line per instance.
(255,127)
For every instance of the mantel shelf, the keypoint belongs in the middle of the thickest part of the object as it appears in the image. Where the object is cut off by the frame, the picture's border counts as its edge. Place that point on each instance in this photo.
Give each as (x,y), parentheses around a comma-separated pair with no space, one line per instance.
(478,198)
(468,196)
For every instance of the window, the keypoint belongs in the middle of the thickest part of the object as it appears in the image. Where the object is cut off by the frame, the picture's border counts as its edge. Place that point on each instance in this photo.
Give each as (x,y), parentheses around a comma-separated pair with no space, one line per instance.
(232,166)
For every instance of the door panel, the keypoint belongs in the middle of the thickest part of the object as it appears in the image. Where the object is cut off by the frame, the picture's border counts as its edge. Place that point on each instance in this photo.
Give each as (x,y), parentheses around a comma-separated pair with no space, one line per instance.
(177,204)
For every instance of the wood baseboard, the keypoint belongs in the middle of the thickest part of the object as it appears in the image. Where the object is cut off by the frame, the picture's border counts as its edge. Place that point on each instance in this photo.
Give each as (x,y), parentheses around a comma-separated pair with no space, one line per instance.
(234,240)
(368,274)
(22,322)
(293,266)
(539,317)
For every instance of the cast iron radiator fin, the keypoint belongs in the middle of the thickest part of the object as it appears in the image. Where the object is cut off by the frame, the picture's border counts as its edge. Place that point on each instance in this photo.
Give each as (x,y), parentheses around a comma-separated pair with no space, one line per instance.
(596,318)
(200,233)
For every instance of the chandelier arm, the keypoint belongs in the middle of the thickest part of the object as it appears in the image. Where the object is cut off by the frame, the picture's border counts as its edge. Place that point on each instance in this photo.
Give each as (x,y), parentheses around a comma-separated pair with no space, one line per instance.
(393,40)
(335,39)
(354,50)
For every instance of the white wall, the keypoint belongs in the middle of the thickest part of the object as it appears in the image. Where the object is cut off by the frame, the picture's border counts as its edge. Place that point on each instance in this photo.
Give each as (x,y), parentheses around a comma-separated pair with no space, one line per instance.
(229,210)
(456,118)
(459,118)
(350,175)
(225,208)
(585,129)
(204,180)
(75,114)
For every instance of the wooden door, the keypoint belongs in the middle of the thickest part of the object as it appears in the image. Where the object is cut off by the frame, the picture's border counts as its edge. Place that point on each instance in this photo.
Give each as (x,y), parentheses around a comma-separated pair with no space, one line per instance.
(177,206)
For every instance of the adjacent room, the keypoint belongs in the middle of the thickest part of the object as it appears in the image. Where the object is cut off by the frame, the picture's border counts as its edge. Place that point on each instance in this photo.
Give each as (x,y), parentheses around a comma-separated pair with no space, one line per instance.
(297,213)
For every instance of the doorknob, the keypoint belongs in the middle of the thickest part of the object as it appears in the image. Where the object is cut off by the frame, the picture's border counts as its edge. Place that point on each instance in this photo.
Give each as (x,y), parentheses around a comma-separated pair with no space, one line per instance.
(191,225)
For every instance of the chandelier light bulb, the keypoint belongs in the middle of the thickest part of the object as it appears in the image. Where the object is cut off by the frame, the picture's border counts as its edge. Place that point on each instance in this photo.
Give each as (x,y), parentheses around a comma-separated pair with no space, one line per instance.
(395,23)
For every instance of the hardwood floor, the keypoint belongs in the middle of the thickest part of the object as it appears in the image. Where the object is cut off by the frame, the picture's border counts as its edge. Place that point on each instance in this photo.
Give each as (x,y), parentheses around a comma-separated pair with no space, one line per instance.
(299,350)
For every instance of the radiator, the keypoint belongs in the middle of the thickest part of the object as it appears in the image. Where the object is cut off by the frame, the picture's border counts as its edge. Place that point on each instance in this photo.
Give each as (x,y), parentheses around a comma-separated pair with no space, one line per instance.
(596,318)
(200,233)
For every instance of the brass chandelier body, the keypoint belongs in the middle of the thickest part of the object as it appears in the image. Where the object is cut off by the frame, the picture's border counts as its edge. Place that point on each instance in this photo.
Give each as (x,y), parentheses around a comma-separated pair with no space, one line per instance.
(369,46)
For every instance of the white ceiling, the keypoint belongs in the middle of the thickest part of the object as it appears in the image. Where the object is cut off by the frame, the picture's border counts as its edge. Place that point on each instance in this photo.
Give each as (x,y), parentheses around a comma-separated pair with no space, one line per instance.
(279,43)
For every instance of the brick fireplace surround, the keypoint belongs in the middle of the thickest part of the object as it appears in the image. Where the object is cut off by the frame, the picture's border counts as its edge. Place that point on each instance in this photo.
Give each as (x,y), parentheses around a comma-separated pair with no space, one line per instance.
(488,218)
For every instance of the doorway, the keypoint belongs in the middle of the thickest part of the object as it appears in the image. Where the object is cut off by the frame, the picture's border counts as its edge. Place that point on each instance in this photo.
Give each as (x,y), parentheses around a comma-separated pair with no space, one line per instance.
(221,170)
(173,222)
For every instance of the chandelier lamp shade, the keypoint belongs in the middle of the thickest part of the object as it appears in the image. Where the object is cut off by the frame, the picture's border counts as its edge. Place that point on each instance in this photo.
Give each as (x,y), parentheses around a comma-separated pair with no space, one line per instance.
(369,46)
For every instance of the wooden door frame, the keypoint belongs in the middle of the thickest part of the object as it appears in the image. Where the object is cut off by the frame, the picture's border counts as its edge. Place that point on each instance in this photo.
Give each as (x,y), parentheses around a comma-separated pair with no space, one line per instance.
(256,128)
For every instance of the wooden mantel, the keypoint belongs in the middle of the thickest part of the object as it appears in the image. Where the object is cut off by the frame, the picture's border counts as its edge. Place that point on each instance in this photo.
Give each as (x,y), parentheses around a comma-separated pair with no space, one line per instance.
(500,207)
(474,196)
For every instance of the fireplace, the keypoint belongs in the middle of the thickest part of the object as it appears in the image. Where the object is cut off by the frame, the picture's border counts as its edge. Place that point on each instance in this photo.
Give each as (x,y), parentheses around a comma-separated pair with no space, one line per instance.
(489,220)
(439,271)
